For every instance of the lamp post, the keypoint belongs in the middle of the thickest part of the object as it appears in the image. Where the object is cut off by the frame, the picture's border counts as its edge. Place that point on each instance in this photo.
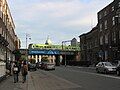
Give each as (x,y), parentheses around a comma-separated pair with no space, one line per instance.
(27,37)
(64,42)
(26,46)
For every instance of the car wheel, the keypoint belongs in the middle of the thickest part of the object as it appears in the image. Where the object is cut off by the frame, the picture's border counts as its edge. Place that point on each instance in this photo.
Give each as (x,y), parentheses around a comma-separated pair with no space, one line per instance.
(53,68)
(97,71)
(118,73)
(105,71)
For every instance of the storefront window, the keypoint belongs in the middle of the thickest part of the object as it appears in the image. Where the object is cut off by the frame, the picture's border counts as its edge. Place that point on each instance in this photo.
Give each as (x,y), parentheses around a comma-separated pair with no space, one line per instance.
(2,68)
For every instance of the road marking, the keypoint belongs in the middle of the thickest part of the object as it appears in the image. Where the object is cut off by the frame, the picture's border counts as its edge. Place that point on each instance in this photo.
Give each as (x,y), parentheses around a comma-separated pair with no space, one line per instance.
(108,76)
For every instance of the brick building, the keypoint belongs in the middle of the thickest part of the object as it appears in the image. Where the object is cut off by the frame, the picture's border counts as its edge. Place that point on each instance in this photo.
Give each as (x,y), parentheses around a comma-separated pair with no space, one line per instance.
(102,43)
(109,31)
(89,45)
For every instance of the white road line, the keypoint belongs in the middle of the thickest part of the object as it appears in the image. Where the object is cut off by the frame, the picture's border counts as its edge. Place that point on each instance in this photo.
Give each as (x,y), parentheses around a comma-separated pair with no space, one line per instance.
(108,76)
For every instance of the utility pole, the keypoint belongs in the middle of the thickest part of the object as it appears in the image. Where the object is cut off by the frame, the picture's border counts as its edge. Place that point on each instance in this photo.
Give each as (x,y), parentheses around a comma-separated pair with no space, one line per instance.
(26,47)
(27,37)
(64,42)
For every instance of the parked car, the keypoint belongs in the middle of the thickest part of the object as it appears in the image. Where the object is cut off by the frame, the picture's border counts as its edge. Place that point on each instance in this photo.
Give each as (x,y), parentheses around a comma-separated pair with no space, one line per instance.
(43,65)
(32,66)
(105,67)
(49,66)
(38,65)
(118,70)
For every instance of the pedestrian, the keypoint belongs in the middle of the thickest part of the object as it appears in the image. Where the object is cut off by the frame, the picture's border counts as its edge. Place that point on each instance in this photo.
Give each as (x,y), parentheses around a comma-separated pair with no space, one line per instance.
(24,70)
(15,72)
(9,67)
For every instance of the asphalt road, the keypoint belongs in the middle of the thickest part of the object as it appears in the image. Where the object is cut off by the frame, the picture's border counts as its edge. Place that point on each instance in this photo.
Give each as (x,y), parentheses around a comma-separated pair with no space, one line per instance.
(64,78)
(87,78)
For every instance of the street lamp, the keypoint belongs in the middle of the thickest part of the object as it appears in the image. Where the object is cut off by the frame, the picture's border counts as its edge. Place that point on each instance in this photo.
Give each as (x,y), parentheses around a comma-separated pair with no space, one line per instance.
(64,42)
(27,37)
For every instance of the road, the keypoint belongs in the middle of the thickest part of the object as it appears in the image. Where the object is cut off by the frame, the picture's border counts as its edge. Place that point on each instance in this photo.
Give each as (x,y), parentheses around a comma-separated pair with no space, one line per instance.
(65,78)
(88,79)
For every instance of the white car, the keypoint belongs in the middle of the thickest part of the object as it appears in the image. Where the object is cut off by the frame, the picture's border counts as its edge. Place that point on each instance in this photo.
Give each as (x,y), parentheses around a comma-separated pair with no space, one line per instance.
(105,67)
(49,66)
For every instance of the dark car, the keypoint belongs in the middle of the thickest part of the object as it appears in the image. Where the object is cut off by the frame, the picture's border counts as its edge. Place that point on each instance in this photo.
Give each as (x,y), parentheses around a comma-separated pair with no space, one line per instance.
(32,66)
(43,65)
(38,65)
(118,70)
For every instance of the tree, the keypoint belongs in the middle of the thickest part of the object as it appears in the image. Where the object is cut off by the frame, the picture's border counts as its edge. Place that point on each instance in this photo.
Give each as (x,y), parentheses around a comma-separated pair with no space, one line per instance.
(17,54)
(32,60)
(44,59)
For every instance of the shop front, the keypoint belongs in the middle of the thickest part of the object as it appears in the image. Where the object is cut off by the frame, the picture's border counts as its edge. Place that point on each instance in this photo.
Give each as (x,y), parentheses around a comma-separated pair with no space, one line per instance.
(2,62)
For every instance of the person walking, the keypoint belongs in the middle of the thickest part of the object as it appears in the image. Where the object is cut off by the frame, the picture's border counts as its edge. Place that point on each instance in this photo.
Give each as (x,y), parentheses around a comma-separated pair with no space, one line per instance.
(15,72)
(24,70)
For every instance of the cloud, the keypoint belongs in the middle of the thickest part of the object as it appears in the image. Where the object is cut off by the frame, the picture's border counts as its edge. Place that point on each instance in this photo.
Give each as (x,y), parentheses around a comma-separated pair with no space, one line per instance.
(64,18)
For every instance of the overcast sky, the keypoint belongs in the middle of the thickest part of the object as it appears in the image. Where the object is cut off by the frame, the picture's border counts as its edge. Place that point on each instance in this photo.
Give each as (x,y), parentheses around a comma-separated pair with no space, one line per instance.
(59,19)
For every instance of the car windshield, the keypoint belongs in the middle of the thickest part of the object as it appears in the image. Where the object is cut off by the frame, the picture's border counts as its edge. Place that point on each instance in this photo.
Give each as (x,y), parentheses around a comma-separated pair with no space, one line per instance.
(108,64)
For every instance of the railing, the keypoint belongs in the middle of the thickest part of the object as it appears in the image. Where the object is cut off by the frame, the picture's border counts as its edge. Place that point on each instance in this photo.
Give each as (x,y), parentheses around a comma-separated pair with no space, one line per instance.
(66,48)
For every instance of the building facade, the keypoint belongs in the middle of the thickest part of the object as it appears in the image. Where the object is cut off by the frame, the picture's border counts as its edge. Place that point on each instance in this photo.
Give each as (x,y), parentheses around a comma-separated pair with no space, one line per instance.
(7,37)
(89,46)
(102,43)
(109,31)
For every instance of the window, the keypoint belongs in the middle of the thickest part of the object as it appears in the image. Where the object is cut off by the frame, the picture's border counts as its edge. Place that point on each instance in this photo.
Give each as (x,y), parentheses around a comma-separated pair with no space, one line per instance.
(119,17)
(101,40)
(100,16)
(3,34)
(119,34)
(105,24)
(90,45)
(95,42)
(100,27)
(36,46)
(114,37)
(113,21)
(106,55)
(106,38)
(113,8)
(119,4)
(82,47)
(105,13)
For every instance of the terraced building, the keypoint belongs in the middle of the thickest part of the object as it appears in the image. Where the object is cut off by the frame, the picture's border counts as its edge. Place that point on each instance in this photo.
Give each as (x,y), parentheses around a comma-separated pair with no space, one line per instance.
(8,39)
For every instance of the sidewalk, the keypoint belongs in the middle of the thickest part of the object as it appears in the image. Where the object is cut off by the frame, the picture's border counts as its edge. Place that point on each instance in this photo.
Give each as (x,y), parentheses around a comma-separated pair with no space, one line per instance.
(39,80)
(2,78)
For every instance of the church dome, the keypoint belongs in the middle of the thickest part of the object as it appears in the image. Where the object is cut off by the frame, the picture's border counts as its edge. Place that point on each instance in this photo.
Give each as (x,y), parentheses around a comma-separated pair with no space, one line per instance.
(48,41)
